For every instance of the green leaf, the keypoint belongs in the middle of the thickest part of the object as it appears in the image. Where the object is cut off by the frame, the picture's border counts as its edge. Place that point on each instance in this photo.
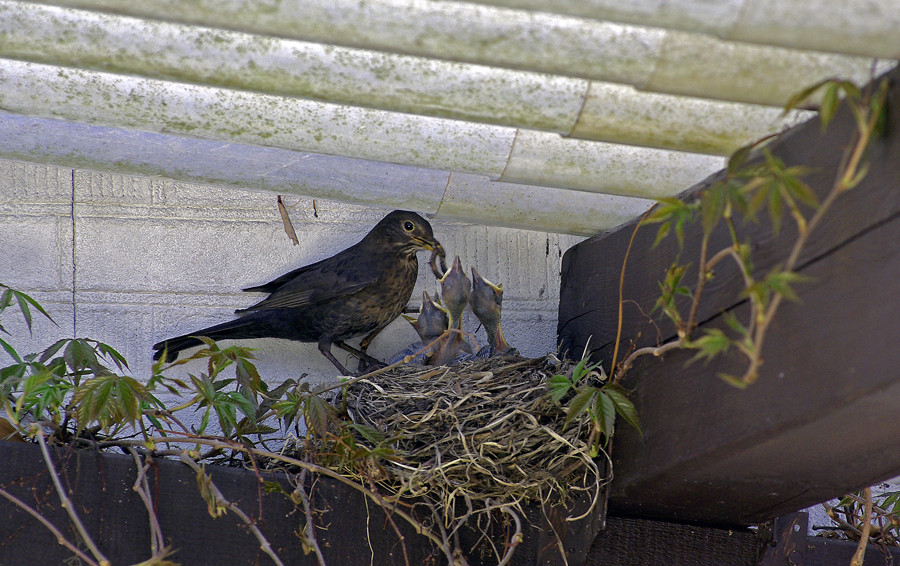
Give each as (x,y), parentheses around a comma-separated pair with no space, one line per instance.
(829,105)
(733,381)
(672,213)
(317,415)
(800,191)
(23,306)
(112,354)
(558,385)
(604,413)
(661,234)
(109,400)
(5,298)
(796,100)
(710,345)
(578,371)
(739,157)
(52,350)
(80,356)
(10,350)
(712,206)
(372,435)
(733,323)
(780,282)
(858,177)
(579,403)
(624,407)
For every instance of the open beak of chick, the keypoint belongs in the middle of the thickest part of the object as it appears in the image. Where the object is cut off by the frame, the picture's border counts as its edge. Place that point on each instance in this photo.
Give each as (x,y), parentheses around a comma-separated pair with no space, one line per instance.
(455,291)
(432,321)
(487,299)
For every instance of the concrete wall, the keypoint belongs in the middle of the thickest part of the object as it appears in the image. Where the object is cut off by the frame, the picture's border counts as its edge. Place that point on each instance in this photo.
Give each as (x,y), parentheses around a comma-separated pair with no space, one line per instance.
(130,261)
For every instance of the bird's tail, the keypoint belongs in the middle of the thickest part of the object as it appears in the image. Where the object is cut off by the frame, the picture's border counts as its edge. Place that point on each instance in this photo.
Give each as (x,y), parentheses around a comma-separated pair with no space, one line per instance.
(239,328)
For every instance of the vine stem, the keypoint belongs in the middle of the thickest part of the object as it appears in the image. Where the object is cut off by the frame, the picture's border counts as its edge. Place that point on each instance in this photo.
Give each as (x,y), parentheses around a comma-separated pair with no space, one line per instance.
(64,500)
(419,528)
(310,528)
(612,367)
(142,488)
(841,184)
(702,270)
(60,538)
(860,553)
(220,498)
(517,537)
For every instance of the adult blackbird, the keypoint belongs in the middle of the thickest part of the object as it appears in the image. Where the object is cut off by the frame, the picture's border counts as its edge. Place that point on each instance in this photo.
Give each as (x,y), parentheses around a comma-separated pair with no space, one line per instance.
(355,292)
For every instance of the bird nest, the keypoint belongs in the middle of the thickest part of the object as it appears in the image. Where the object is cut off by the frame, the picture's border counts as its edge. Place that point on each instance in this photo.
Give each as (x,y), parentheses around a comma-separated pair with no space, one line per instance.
(480,431)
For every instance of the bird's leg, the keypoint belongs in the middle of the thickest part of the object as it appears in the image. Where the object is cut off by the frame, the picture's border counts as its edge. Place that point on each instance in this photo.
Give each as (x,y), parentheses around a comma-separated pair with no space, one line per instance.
(325,348)
(358,353)
(364,343)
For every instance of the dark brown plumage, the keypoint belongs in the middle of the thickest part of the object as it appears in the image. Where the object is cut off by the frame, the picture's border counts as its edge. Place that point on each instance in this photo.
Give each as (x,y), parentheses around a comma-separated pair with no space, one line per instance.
(356,292)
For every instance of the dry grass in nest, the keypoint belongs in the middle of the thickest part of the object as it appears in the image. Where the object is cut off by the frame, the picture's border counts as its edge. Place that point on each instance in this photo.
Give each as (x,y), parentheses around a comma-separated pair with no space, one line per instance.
(481,431)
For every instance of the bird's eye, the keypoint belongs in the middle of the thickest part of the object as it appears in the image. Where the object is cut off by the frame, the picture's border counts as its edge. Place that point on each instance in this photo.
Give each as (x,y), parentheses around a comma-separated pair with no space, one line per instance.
(408,226)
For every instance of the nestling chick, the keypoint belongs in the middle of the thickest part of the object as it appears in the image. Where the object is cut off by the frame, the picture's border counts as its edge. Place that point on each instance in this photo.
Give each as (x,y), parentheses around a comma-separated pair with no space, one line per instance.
(487,299)
(432,321)
(455,291)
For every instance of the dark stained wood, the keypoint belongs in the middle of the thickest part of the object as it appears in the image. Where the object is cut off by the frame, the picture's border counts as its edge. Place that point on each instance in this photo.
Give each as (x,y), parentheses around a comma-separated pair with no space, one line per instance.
(590,273)
(821,420)
(834,552)
(629,541)
(789,540)
(350,530)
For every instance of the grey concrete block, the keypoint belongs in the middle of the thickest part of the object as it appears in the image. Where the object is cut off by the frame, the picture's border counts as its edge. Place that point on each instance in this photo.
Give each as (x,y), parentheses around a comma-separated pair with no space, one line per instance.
(43,332)
(156,258)
(29,183)
(35,252)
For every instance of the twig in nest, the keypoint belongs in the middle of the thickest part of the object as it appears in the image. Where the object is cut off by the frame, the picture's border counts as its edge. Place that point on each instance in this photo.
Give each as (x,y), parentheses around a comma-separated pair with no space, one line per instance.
(484,432)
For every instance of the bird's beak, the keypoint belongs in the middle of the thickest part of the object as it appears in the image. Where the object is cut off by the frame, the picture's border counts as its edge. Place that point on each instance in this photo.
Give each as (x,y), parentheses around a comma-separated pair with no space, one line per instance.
(476,277)
(436,246)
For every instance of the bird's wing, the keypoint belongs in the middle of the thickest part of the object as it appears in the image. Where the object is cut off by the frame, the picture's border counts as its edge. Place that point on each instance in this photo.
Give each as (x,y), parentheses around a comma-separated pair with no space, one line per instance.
(319,283)
(274,284)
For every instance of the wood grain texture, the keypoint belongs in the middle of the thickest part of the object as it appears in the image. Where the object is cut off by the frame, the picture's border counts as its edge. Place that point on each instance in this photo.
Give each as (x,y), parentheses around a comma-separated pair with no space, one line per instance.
(821,420)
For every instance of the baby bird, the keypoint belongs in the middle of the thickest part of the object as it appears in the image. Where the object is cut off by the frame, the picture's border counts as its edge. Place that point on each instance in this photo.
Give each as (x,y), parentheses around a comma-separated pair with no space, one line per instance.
(486,300)
(433,319)
(455,291)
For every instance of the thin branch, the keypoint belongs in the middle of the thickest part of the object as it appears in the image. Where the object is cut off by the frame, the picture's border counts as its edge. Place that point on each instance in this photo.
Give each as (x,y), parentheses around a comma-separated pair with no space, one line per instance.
(654,350)
(860,554)
(64,500)
(220,499)
(390,520)
(142,488)
(516,538)
(60,538)
(310,528)
(612,367)
(702,271)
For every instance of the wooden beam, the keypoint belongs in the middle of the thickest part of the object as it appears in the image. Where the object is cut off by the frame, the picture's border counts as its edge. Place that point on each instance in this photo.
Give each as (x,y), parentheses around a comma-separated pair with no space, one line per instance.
(821,420)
